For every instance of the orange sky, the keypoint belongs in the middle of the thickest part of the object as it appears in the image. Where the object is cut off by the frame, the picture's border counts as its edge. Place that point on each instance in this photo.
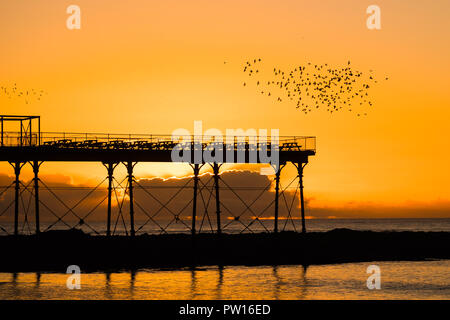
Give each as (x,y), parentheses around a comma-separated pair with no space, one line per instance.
(154,66)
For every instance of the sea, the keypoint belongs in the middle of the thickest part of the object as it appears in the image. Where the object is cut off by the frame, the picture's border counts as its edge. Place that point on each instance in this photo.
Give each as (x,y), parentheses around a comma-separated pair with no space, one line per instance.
(397,279)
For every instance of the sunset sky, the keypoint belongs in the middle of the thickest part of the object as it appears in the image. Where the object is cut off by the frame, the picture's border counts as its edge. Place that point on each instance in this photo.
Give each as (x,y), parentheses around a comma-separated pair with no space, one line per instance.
(142,66)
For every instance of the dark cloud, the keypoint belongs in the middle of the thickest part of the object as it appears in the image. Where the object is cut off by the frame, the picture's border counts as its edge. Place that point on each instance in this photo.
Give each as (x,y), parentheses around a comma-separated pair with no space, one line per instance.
(159,202)
(440,209)
(167,203)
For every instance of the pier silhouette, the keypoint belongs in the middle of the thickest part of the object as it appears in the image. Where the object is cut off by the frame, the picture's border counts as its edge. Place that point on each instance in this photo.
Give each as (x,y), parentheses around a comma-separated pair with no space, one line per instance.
(54,248)
(29,145)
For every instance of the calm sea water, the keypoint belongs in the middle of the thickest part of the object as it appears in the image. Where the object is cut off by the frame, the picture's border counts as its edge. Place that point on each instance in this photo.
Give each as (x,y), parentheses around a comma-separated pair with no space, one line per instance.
(259,226)
(399,280)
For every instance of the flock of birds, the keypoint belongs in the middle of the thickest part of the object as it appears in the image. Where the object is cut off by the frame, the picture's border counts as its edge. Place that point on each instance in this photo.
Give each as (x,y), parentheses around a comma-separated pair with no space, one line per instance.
(29,95)
(309,86)
(312,86)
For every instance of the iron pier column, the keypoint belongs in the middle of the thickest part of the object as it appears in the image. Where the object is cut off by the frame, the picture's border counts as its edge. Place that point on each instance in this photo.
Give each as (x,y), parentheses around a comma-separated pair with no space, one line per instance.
(277,189)
(302,203)
(216,184)
(110,166)
(130,167)
(17,165)
(196,168)
(1,122)
(36,166)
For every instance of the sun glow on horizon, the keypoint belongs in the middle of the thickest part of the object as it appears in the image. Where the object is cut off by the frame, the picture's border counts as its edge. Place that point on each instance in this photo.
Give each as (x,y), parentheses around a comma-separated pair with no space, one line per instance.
(155,66)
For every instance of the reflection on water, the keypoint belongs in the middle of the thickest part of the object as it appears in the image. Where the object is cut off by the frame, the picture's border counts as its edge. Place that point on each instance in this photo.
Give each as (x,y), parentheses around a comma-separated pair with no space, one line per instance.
(399,280)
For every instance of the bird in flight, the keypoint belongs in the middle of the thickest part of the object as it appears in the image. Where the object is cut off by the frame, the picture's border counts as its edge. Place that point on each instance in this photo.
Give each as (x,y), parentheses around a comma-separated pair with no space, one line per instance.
(314,85)
(28,95)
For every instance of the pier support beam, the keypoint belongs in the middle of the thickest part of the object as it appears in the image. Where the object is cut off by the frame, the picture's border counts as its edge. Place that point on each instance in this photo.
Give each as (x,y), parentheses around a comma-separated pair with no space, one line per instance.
(277,191)
(130,166)
(196,168)
(36,165)
(1,125)
(300,167)
(216,168)
(110,166)
(17,165)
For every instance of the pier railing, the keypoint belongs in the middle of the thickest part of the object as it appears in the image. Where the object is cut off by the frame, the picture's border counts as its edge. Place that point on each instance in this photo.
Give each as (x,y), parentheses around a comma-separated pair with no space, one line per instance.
(150,141)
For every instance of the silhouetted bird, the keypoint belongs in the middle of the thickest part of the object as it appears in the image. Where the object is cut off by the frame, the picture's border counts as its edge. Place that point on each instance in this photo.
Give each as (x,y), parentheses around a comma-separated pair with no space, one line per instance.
(313,84)
(29,95)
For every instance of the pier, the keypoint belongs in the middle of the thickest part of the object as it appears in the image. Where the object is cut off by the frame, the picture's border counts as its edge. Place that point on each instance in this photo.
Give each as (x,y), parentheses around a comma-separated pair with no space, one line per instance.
(27,145)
